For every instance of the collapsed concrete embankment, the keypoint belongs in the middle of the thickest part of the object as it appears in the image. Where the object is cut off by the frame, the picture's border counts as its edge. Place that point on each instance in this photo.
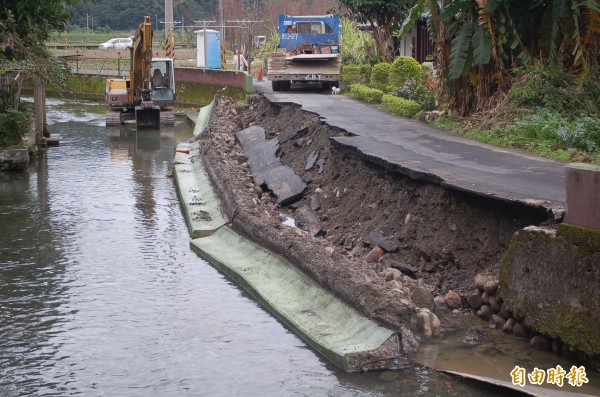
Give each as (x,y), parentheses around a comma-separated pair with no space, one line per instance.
(387,243)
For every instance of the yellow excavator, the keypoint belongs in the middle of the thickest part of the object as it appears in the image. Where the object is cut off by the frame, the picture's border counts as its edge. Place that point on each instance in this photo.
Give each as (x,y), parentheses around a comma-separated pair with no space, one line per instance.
(148,94)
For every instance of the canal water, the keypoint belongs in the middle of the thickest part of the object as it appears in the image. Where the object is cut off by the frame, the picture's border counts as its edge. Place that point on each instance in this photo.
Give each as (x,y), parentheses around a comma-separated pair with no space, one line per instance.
(101,295)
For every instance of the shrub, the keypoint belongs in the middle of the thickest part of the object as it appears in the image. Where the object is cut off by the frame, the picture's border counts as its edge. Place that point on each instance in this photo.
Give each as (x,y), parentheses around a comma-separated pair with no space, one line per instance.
(380,75)
(367,94)
(13,126)
(400,106)
(356,74)
(552,88)
(405,71)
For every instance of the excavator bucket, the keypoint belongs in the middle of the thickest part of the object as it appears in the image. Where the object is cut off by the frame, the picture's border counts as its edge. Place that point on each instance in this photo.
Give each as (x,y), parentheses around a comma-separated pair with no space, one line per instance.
(147,117)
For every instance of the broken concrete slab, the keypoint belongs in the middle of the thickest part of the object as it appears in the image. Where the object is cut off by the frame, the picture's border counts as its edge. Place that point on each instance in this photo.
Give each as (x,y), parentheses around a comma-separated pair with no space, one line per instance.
(312,159)
(380,237)
(267,170)
(307,218)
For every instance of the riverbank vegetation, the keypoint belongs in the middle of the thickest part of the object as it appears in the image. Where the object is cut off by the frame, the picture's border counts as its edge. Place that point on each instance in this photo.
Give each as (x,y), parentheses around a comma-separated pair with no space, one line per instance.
(24,29)
(497,79)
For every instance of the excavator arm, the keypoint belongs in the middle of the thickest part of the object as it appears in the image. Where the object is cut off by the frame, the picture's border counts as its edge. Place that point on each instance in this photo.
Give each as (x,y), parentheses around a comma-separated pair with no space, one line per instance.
(147,114)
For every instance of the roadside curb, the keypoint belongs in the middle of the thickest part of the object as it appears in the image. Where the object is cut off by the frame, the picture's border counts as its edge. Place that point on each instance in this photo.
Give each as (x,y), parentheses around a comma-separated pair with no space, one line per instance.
(346,338)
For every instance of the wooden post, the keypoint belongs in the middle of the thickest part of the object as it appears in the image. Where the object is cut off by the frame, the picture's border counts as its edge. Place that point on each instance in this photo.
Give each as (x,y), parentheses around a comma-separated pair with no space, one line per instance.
(39,101)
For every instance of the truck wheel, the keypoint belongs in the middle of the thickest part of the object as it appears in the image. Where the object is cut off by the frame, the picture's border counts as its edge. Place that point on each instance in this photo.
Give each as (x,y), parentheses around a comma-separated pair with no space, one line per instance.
(286,85)
(326,85)
(276,85)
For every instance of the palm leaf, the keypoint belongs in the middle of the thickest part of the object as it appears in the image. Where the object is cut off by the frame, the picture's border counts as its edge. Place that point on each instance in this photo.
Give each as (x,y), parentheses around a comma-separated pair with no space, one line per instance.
(591,4)
(550,32)
(455,8)
(562,8)
(482,46)
(413,15)
(460,51)
(492,5)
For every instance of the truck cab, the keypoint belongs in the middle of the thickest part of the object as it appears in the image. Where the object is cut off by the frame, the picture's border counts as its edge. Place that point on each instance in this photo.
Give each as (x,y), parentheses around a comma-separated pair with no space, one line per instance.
(308,52)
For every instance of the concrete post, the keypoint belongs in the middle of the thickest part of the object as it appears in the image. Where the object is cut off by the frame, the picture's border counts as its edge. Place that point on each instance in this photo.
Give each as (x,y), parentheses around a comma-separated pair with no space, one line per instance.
(583,195)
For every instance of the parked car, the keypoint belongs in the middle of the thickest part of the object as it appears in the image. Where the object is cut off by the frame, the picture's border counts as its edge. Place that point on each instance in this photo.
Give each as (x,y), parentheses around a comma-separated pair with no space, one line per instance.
(117,44)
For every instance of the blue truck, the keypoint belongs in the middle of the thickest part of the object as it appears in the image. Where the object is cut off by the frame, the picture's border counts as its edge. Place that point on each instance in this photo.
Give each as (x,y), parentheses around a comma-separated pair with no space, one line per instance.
(308,52)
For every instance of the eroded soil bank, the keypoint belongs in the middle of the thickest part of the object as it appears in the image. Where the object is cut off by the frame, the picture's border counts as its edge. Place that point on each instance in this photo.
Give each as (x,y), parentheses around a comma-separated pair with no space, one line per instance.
(438,238)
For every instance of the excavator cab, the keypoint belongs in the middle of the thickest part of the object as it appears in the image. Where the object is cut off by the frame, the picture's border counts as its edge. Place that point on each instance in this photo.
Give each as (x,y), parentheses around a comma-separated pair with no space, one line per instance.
(163,81)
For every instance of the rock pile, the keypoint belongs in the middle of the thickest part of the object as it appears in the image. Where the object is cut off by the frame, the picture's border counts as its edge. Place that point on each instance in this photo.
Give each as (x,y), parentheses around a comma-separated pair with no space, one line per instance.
(489,306)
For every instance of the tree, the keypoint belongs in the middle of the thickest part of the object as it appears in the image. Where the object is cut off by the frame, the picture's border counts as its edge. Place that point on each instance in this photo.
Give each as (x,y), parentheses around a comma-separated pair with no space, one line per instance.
(24,28)
(383,17)
(479,42)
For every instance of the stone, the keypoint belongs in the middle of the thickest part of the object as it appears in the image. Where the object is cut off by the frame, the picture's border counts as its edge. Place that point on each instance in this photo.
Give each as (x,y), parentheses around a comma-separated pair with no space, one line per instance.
(508,326)
(421,295)
(436,325)
(479,281)
(453,300)
(490,286)
(380,237)
(495,303)
(439,303)
(309,220)
(505,311)
(539,342)
(391,274)
(321,164)
(405,268)
(485,312)
(521,330)
(374,255)
(497,321)
(474,299)
(485,298)
(424,323)
(312,159)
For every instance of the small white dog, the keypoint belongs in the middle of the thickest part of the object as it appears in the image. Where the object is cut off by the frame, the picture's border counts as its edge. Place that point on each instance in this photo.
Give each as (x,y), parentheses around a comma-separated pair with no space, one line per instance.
(335,90)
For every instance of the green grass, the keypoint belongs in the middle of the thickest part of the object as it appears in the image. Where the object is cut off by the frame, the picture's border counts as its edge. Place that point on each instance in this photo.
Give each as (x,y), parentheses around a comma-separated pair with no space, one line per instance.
(447,123)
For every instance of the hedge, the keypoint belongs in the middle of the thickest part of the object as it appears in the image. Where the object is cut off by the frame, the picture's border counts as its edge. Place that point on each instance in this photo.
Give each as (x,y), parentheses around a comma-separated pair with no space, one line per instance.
(400,106)
(380,75)
(367,94)
(405,69)
(356,74)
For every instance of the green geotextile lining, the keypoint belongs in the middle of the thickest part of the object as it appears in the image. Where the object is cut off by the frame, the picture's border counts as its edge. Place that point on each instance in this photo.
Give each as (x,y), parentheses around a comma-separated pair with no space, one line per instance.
(203,117)
(201,206)
(325,322)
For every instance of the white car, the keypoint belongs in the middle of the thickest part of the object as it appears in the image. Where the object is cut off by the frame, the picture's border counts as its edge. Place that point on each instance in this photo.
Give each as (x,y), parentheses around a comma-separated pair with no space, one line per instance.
(117,44)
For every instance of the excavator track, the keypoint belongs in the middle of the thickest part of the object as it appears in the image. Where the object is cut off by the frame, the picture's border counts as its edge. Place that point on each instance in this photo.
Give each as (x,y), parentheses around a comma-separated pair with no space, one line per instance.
(167,117)
(113,118)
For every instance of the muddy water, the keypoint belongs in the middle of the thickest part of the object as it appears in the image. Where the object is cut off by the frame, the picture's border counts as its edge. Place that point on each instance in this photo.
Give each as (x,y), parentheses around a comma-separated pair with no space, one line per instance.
(100,294)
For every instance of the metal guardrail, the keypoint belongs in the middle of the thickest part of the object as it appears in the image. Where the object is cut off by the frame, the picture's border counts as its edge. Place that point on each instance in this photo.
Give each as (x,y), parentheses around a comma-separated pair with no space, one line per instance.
(100,66)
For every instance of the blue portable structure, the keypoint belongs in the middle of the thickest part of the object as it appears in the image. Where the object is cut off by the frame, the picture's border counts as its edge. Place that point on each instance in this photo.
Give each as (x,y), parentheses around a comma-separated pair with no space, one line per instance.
(209,49)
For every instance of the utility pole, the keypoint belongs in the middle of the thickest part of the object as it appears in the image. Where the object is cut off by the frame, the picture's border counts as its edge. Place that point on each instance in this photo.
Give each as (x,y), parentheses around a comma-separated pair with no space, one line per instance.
(222,21)
(168,17)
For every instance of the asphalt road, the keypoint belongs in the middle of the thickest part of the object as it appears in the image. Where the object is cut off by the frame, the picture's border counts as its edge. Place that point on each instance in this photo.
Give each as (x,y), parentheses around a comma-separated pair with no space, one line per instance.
(426,153)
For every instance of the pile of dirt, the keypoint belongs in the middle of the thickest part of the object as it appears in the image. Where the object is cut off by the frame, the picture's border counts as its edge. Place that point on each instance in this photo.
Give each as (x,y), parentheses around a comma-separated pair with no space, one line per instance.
(391,243)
